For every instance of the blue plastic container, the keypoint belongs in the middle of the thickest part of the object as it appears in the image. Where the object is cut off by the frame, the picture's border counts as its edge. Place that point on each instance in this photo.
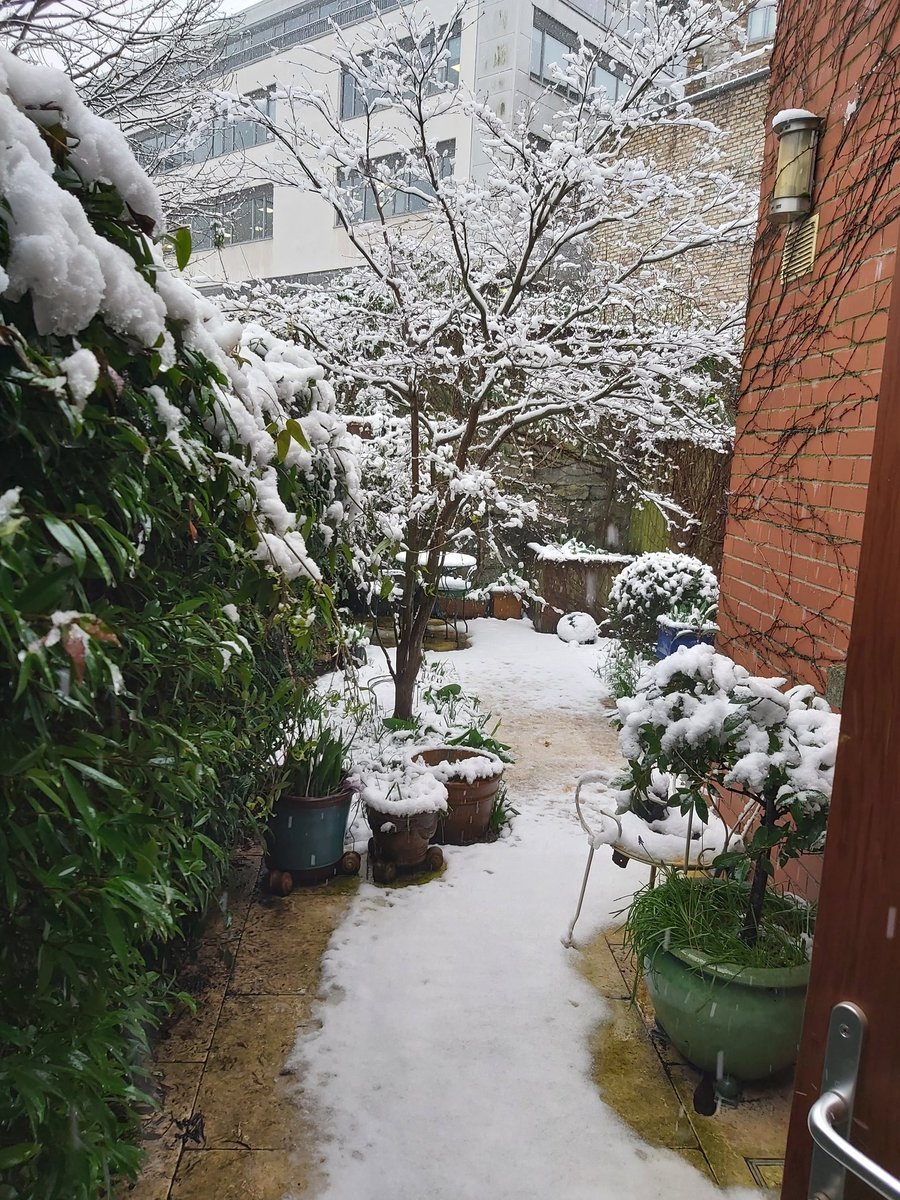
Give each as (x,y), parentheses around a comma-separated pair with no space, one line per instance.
(670,638)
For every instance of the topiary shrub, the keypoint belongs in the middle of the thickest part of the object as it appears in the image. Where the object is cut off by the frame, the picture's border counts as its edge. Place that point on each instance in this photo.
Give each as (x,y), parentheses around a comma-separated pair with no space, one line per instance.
(655,585)
(172,491)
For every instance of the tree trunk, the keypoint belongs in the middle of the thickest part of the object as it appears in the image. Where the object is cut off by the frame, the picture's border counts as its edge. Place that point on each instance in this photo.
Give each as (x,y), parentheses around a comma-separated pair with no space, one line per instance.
(410,639)
(749,934)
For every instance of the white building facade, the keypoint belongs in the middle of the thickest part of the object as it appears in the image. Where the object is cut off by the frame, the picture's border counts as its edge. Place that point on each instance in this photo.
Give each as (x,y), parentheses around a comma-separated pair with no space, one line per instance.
(259,224)
(248,214)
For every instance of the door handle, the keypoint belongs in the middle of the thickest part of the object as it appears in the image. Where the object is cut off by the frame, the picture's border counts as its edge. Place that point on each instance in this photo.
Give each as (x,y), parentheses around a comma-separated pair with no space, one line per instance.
(831,1116)
(831,1109)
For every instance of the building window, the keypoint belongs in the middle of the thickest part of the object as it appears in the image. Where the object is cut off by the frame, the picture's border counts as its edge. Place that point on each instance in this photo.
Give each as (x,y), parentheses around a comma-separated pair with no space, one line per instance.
(153,150)
(353,101)
(229,137)
(550,43)
(229,220)
(549,49)
(761,21)
(225,137)
(395,202)
(302,23)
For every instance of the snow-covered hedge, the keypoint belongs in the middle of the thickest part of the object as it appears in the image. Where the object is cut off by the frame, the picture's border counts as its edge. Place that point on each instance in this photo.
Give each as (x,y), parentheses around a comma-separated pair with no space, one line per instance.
(173,498)
(655,585)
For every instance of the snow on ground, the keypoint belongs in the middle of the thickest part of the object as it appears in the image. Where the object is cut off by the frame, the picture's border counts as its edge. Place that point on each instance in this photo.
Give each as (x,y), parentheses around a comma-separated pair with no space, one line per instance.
(453,1062)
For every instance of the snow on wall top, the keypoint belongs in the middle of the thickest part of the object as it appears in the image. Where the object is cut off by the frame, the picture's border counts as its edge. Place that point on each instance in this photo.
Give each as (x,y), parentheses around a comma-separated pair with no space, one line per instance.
(572,553)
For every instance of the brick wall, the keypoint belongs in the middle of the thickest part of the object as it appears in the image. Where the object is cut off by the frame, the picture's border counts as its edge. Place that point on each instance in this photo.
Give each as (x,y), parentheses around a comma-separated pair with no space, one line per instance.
(738,110)
(813,356)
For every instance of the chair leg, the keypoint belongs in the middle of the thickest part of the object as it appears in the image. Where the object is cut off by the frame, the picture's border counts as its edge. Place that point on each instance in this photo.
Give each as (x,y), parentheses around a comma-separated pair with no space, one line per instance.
(567,940)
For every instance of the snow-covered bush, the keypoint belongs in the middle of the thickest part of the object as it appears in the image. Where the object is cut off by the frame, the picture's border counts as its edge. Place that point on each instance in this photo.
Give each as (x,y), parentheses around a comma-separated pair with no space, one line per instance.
(577,627)
(656,585)
(173,490)
(513,582)
(712,726)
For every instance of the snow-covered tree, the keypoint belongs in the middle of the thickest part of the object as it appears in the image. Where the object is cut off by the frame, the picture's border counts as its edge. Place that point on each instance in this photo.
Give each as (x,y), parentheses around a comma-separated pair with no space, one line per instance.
(551,290)
(138,63)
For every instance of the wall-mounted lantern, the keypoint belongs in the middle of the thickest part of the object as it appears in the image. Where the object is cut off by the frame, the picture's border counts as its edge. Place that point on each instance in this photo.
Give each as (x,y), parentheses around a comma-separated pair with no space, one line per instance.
(798,132)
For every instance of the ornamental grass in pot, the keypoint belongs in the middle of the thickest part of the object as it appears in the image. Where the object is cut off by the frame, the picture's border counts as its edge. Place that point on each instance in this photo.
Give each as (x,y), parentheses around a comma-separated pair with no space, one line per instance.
(305,831)
(725,959)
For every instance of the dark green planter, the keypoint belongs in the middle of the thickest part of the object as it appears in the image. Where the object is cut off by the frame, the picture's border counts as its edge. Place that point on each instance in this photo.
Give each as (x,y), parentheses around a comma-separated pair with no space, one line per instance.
(743,1022)
(305,835)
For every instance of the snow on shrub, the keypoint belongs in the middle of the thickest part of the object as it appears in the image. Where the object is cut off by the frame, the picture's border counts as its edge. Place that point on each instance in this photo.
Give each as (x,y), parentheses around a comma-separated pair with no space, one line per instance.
(655,585)
(174,495)
(714,721)
(404,789)
(708,723)
(577,627)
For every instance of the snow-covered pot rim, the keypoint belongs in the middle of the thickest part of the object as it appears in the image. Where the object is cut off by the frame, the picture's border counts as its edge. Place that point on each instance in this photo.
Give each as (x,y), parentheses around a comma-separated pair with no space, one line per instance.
(448,768)
(686,627)
(410,797)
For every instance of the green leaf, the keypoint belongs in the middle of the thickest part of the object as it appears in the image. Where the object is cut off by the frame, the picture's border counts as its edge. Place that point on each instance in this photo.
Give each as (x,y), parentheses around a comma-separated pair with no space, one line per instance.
(295,430)
(68,539)
(13,1156)
(116,935)
(90,772)
(96,554)
(181,241)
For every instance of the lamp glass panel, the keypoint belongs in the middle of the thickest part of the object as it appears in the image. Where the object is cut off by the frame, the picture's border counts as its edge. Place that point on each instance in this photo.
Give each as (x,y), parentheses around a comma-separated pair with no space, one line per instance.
(795,165)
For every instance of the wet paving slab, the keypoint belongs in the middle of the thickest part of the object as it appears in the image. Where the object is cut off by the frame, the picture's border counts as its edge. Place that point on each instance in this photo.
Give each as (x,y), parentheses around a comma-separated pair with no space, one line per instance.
(228,1124)
(648,1083)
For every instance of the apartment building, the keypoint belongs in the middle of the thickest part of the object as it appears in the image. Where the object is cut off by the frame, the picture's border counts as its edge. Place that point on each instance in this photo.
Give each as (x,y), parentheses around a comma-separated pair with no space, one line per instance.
(248,215)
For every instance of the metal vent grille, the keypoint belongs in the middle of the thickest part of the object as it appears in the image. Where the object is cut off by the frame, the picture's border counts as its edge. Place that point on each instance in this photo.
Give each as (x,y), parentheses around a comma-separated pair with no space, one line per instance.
(799,249)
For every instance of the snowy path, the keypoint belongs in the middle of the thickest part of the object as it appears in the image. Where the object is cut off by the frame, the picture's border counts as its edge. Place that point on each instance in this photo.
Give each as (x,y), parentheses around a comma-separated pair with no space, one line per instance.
(453,1060)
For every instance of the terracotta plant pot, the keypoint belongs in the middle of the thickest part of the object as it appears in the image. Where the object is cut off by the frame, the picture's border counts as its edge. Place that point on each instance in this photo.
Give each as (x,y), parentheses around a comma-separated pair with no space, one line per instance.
(469,805)
(402,844)
(506,606)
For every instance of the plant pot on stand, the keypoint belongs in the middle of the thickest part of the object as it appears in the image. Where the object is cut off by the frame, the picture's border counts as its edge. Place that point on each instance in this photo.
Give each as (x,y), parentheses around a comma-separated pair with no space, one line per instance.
(733,1022)
(305,840)
(471,778)
(403,809)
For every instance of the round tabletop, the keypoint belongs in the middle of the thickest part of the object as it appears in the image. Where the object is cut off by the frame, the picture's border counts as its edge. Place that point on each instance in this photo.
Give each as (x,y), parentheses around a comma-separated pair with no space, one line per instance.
(452,560)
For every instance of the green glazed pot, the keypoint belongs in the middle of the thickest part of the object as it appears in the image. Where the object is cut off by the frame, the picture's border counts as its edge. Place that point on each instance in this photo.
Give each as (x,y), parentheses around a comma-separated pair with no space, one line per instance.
(305,835)
(728,1020)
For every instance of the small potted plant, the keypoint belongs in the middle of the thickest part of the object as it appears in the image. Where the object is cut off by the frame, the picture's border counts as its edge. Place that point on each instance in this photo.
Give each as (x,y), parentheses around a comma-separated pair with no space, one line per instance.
(726,959)
(470,767)
(305,830)
(404,801)
(508,595)
(686,625)
(655,585)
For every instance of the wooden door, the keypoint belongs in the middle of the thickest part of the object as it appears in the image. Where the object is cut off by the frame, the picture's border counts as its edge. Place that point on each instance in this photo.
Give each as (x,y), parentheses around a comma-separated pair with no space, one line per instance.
(857,944)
